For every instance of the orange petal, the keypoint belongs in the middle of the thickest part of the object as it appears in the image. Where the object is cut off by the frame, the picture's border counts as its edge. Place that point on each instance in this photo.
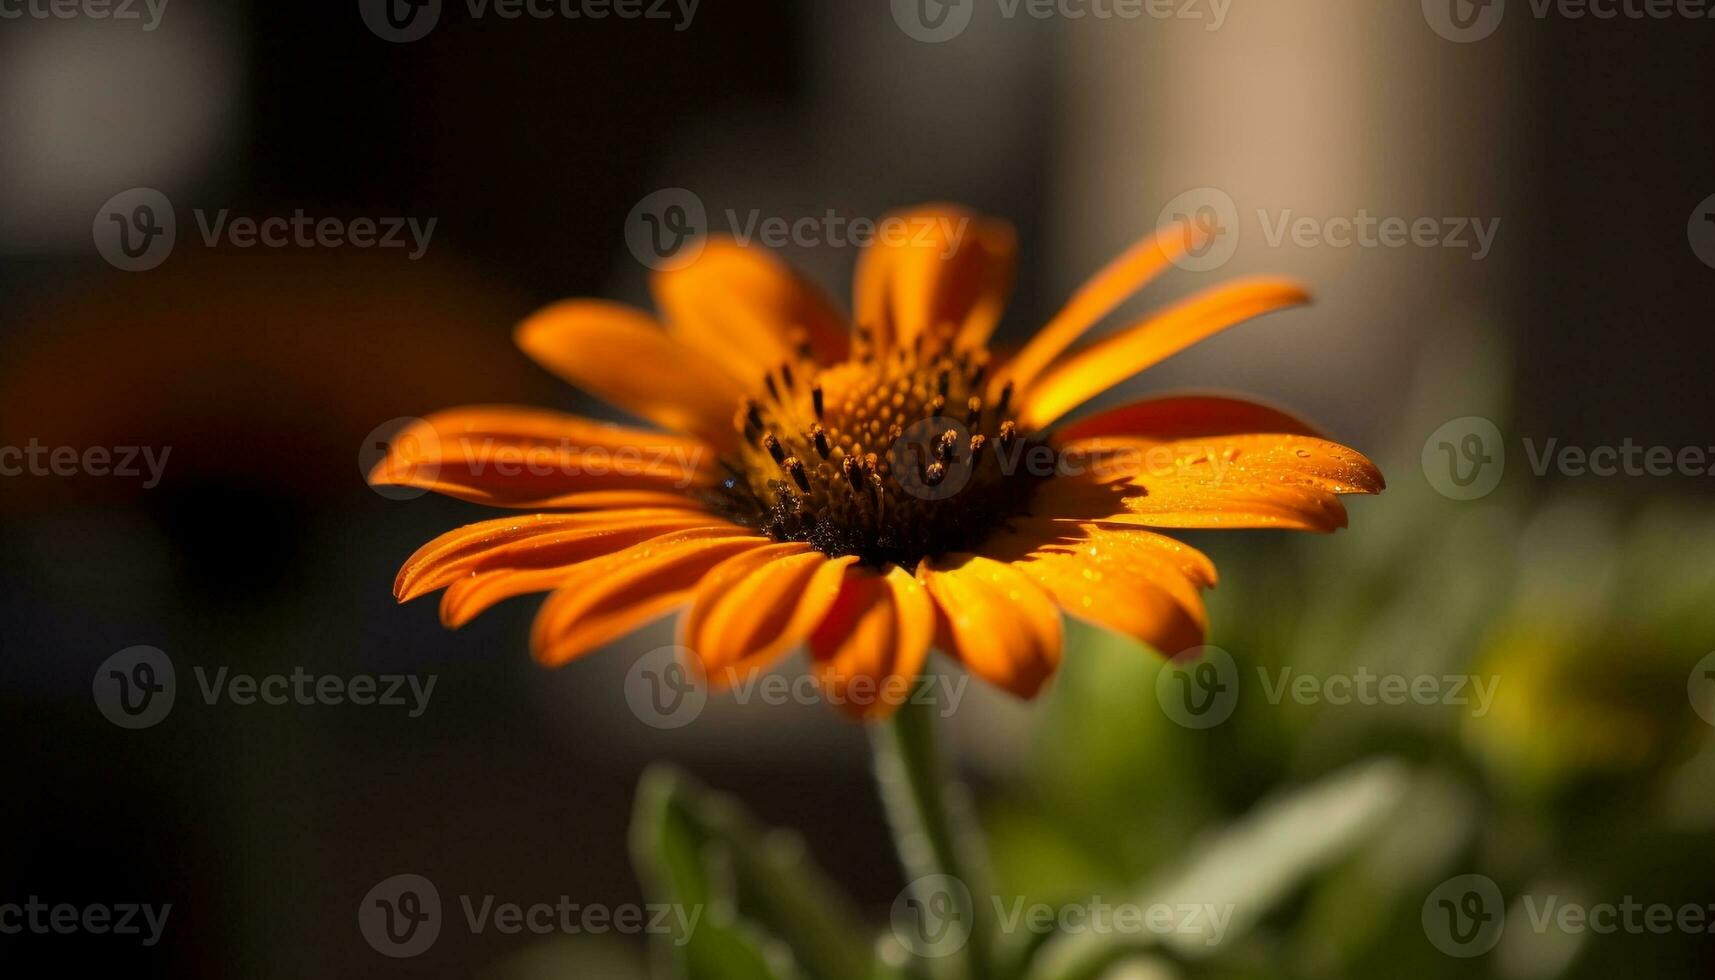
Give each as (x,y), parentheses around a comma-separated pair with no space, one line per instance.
(535,541)
(941,264)
(1187,416)
(508,456)
(622,355)
(1105,363)
(1136,582)
(1245,481)
(608,597)
(755,607)
(869,648)
(747,311)
(469,597)
(1095,299)
(996,620)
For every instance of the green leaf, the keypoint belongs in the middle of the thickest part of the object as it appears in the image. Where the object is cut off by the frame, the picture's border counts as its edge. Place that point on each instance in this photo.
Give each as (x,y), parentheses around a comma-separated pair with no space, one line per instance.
(767,912)
(1235,877)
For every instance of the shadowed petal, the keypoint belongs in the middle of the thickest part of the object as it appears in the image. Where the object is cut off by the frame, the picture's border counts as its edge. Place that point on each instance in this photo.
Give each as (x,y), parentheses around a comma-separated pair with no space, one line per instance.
(942,265)
(621,355)
(1246,481)
(745,310)
(1185,416)
(996,620)
(751,610)
(869,649)
(507,456)
(604,599)
(533,541)
(1130,580)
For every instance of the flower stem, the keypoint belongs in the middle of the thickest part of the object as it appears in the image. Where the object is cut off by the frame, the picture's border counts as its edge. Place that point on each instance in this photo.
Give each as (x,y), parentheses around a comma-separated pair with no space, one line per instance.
(933,830)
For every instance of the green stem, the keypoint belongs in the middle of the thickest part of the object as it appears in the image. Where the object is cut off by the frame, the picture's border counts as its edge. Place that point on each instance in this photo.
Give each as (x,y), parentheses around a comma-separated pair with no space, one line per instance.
(933,830)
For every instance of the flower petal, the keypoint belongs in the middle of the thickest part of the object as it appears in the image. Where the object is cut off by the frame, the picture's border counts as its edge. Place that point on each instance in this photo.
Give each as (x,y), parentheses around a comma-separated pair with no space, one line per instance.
(940,265)
(747,311)
(507,456)
(1259,480)
(1095,299)
(869,648)
(535,541)
(748,611)
(610,596)
(1136,582)
(622,355)
(1112,359)
(1185,416)
(996,620)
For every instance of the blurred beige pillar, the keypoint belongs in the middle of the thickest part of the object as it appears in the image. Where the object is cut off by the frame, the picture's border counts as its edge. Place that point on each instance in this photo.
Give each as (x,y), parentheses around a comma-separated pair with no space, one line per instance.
(1323,109)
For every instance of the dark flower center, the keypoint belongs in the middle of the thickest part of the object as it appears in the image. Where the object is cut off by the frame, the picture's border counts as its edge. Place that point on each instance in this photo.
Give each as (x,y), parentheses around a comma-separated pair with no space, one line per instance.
(892,458)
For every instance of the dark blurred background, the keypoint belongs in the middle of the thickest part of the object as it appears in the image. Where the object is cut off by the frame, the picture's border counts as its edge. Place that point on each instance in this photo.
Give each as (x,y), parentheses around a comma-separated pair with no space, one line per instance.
(529,141)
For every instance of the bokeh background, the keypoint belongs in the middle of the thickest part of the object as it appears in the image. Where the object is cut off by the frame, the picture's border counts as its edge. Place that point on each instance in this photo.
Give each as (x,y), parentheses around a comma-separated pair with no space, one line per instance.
(529,142)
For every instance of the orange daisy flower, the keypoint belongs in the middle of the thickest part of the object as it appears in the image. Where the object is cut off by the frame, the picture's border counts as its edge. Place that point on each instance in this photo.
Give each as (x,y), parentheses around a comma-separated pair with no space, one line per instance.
(870,492)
